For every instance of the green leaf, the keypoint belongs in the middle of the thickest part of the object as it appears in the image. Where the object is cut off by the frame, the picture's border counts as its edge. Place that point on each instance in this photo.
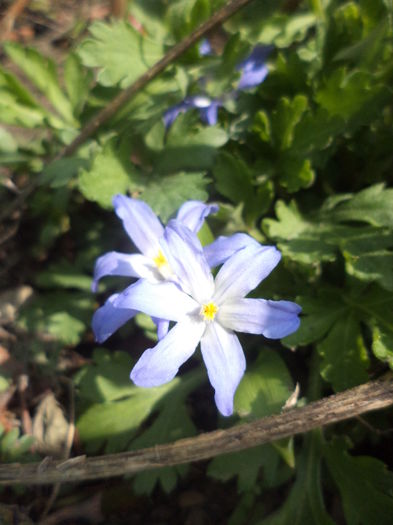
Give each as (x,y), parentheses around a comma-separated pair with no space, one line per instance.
(167,193)
(190,147)
(172,423)
(107,379)
(382,344)
(349,94)
(376,306)
(265,387)
(304,503)
(77,81)
(115,423)
(42,72)
(7,142)
(373,205)
(111,172)
(365,485)
(233,178)
(345,360)
(60,172)
(285,118)
(301,239)
(64,275)
(245,466)
(120,52)
(319,315)
(64,316)
(295,174)
(17,106)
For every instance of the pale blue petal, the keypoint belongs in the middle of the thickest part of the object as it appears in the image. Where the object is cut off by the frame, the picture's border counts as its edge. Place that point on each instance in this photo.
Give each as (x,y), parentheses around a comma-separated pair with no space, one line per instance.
(193,213)
(273,319)
(209,115)
(225,363)
(161,300)
(108,319)
(160,364)
(253,77)
(162,327)
(253,68)
(173,112)
(127,265)
(242,272)
(185,256)
(141,224)
(205,47)
(222,248)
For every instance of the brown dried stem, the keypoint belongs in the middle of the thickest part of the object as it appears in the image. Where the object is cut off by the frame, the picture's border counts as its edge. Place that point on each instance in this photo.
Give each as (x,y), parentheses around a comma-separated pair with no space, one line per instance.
(351,403)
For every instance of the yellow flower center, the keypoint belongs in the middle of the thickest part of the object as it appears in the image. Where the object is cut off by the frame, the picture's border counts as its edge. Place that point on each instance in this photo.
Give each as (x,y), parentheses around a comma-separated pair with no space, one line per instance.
(160,260)
(209,311)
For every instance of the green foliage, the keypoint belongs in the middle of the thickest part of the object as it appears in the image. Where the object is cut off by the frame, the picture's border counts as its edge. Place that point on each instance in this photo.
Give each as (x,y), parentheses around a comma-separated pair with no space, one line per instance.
(42,72)
(302,161)
(14,447)
(367,500)
(263,391)
(64,316)
(305,501)
(110,173)
(119,51)
(107,394)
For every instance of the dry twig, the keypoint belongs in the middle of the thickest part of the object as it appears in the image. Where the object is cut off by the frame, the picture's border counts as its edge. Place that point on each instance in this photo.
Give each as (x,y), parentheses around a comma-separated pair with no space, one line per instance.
(351,403)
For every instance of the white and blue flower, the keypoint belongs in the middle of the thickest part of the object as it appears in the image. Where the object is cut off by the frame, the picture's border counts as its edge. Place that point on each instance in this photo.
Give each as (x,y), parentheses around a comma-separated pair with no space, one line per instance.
(207,310)
(145,231)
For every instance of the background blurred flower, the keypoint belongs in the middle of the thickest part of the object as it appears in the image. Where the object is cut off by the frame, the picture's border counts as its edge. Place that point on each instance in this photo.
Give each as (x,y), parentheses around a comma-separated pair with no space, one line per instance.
(208,109)
(253,68)
(253,72)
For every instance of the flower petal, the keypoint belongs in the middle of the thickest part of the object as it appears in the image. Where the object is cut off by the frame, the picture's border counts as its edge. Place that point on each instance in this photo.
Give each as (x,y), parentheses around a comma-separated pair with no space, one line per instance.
(173,112)
(253,77)
(140,223)
(253,68)
(222,248)
(185,256)
(225,363)
(209,115)
(242,272)
(273,319)
(124,264)
(161,300)
(193,213)
(108,319)
(160,364)
(162,327)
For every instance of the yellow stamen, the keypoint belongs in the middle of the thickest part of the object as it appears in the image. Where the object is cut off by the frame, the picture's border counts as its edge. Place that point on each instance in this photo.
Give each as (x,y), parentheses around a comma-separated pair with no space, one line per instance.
(160,260)
(209,311)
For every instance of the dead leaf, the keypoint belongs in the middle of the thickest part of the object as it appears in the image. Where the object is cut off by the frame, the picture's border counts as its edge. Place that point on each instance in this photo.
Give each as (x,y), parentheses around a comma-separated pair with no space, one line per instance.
(50,427)
(11,301)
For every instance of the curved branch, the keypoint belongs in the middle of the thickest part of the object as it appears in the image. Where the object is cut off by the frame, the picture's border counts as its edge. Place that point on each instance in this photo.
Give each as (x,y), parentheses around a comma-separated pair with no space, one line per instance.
(370,396)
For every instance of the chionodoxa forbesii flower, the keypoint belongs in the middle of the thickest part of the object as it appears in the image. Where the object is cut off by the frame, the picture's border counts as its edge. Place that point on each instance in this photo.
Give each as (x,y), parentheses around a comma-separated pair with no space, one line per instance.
(207,311)
(145,231)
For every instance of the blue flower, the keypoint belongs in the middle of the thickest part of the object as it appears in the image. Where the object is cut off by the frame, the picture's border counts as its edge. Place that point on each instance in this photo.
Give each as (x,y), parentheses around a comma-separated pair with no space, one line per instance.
(253,68)
(207,311)
(205,48)
(145,231)
(208,109)
(253,72)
